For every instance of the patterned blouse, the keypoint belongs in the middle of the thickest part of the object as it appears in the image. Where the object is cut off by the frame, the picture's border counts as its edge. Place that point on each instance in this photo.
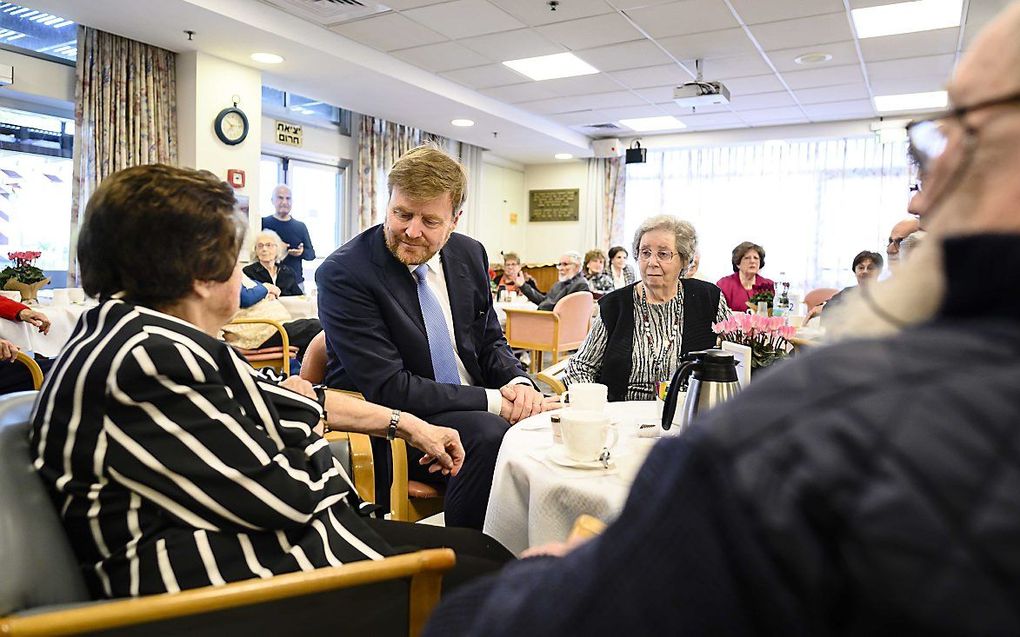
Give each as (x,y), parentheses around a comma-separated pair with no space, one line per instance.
(667,333)
(601,282)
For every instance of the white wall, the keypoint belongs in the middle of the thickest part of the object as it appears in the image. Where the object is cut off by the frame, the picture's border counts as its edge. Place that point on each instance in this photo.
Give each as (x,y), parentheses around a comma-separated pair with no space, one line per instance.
(502,197)
(545,241)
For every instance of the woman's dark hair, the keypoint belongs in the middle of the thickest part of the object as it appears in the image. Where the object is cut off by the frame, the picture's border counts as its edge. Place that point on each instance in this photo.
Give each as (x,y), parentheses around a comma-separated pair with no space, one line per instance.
(616,250)
(151,231)
(744,248)
(867,255)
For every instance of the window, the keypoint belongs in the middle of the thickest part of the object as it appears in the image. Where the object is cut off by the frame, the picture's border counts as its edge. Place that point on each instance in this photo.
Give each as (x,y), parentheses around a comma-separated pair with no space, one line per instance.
(813,205)
(25,29)
(278,103)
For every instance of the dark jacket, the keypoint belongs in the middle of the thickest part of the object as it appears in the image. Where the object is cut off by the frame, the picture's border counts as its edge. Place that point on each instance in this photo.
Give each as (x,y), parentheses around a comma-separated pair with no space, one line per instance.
(867,488)
(286,280)
(560,289)
(616,309)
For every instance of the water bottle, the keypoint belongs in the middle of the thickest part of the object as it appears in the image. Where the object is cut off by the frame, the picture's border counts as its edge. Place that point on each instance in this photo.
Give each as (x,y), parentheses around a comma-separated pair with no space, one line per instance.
(781,306)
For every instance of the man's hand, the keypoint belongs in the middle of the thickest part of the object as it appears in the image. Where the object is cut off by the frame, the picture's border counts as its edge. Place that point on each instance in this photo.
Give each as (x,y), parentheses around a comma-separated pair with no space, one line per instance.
(298,251)
(443,450)
(35,318)
(520,400)
(552,402)
(8,351)
(299,385)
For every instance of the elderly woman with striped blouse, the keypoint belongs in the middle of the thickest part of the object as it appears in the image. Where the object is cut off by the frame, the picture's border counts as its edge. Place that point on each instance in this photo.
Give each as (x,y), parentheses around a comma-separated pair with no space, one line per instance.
(172,463)
(644,329)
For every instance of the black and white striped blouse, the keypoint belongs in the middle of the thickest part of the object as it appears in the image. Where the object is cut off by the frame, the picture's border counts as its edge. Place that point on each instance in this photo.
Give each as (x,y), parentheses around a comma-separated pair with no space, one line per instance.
(175,466)
(650,363)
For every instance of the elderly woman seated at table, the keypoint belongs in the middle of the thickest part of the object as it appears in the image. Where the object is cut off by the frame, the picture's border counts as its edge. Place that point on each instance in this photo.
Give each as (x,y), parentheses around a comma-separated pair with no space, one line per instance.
(644,329)
(267,266)
(259,302)
(745,282)
(598,279)
(619,269)
(867,266)
(172,463)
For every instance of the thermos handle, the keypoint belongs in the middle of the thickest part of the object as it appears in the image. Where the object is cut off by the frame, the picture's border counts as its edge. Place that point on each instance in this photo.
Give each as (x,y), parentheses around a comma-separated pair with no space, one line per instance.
(669,408)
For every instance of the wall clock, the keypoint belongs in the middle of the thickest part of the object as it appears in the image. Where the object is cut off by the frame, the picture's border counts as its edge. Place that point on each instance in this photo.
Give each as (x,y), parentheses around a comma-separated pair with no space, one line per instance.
(231,125)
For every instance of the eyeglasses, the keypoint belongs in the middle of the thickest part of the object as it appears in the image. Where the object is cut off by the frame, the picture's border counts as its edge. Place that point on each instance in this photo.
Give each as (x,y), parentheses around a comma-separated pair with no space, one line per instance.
(565,264)
(265,245)
(915,187)
(928,138)
(896,242)
(663,256)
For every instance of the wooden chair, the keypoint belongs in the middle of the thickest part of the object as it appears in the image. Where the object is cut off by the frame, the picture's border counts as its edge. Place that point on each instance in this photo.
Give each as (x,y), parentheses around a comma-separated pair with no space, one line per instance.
(818,296)
(33,369)
(410,500)
(561,330)
(268,356)
(553,376)
(43,591)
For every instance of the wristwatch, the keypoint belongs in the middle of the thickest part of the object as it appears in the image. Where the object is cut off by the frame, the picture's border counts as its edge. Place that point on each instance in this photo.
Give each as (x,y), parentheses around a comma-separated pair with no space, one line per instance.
(320,397)
(391,431)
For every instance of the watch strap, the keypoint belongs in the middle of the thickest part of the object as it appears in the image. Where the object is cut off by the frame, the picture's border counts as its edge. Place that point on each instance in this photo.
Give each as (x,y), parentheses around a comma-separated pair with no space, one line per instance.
(391,431)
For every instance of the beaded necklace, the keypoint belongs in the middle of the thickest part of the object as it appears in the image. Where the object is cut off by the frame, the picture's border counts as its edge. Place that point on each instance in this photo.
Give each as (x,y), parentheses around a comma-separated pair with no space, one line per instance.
(646,319)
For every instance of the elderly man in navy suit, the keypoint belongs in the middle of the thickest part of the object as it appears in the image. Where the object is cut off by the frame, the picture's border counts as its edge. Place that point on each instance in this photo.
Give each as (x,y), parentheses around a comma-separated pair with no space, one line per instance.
(409,323)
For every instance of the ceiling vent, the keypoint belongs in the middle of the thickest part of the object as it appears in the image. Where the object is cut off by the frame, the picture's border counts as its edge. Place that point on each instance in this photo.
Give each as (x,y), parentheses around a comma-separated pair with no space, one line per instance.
(329,13)
(608,126)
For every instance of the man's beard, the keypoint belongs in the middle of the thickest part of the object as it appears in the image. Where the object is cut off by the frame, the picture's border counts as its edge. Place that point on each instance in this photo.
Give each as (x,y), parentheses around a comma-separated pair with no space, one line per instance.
(393,244)
(910,297)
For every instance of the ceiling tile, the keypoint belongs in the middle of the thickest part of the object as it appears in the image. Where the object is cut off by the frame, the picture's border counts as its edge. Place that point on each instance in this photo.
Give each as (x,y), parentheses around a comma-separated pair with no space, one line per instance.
(762,100)
(757,11)
(511,45)
(388,31)
(581,118)
(842,53)
(840,110)
(598,83)
(918,84)
(672,108)
(625,5)
(789,114)
(534,13)
(657,94)
(725,68)
(486,76)
(828,94)
(754,84)
(403,5)
(464,18)
(788,34)
(628,55)
(526,92)
(687,16)
(583,102)
(825,76)
(910,67)
(906,45)
(445,56)
(711,120)
(630,112)
(652,76)
(587,33)
(980,13)
(728,42)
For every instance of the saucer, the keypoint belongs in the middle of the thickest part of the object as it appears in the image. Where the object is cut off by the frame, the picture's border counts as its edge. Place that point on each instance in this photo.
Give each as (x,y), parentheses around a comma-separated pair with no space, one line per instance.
(558,455)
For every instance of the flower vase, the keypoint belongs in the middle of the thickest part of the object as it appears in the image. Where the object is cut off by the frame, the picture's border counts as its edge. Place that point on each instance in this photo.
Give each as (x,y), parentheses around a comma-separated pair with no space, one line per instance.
(29,291)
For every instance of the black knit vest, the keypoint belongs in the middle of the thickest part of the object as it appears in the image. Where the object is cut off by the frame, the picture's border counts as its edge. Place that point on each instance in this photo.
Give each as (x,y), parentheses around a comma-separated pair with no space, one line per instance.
(701,304)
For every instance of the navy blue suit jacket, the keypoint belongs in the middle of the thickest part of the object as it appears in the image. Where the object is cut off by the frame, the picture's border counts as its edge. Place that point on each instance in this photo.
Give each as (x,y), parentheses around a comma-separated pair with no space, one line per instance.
(375,334)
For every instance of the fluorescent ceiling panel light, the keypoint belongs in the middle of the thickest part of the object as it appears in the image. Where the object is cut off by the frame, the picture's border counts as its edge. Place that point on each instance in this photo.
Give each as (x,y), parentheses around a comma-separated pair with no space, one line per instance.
(550,67)
(464,123)
(646,124)
(911,101)
(564,156)
(267,58)
(907,17)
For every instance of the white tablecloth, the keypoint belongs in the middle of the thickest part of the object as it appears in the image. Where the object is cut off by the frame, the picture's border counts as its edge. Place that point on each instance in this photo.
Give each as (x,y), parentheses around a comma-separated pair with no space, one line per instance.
(521,303)
(534,501)
(301,306)
(63,318)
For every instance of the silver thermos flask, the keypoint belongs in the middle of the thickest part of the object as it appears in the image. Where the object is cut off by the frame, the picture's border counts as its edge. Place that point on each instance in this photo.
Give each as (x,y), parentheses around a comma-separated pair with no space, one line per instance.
(713,379)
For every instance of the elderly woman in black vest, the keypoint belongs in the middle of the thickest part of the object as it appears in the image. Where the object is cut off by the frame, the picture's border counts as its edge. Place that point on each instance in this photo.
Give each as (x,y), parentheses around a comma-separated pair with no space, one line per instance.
(645,328)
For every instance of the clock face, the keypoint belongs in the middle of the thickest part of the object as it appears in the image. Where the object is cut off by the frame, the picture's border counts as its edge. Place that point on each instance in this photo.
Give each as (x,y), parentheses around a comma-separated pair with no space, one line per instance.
(231,126)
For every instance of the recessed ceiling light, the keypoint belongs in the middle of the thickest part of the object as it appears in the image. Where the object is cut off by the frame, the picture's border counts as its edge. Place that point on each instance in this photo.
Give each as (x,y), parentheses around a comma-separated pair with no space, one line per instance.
(462,122)
(812,58)
(645,124)
(267,58)
(907,17)
(564,156)
(550,67)
(911,101)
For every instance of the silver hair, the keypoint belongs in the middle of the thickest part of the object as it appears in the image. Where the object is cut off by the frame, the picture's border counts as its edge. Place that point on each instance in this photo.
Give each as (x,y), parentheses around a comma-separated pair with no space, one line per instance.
(684,235)
(280,252)
(573,256)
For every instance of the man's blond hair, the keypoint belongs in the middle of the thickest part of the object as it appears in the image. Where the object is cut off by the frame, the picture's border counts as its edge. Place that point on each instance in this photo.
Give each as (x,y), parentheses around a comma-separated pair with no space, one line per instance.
(425,172)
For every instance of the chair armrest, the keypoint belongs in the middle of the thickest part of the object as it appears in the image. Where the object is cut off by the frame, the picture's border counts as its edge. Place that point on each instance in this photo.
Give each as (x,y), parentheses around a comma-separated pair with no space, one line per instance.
(255,321)
(33,369)
(425,568)
(586,527)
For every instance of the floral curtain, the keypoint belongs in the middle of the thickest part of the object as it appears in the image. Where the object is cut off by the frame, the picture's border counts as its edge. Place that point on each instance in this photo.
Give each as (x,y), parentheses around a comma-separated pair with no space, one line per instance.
(612,230)
(380,144)
(125,114)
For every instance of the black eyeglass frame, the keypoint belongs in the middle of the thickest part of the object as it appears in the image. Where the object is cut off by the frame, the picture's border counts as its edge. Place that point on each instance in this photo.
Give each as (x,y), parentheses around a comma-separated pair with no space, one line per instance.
(958,113)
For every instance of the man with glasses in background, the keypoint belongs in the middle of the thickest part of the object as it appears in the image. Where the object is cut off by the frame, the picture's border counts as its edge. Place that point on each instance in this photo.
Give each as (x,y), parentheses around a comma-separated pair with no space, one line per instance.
(871,487)
(570,280)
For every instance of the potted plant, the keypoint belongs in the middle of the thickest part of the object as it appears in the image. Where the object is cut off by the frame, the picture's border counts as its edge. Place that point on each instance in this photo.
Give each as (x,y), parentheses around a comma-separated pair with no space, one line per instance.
(759,295)
(23,276)
(766,336)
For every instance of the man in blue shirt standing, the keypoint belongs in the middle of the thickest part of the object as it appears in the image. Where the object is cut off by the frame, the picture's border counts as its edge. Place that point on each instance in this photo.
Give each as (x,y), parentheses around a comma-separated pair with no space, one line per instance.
(293,232)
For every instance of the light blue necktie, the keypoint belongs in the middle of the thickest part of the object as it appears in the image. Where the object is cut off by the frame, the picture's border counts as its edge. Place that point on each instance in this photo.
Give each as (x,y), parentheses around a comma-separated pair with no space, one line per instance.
(444,362)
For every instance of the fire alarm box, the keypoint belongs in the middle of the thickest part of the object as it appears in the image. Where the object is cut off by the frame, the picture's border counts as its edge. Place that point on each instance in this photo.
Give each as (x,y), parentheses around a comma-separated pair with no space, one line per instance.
(235,178)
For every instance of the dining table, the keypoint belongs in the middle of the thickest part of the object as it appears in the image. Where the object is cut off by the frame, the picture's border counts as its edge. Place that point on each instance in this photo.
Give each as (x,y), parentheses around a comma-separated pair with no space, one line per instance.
(63,319)
(520,302)
(537,493)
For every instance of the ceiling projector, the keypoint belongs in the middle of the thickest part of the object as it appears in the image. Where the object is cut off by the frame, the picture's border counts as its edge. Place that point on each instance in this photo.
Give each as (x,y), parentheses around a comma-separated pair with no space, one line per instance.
(701,93)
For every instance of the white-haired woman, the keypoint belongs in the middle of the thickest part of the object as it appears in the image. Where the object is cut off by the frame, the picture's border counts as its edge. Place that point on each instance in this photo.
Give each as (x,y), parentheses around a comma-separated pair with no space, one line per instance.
(266,266)
(644,329)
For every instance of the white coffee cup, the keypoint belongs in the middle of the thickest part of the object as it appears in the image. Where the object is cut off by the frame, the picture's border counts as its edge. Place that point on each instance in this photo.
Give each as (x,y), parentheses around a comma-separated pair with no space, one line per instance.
(13,295)
(587,396)
(61,296)
(77,295)
(586,434)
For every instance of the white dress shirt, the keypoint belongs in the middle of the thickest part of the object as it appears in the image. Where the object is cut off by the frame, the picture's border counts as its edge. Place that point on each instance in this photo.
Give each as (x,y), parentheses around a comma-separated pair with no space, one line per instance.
(437,283)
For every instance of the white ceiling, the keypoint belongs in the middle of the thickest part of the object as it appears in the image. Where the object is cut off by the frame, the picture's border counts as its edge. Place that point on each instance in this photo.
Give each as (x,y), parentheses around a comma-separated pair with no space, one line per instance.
(425,62)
